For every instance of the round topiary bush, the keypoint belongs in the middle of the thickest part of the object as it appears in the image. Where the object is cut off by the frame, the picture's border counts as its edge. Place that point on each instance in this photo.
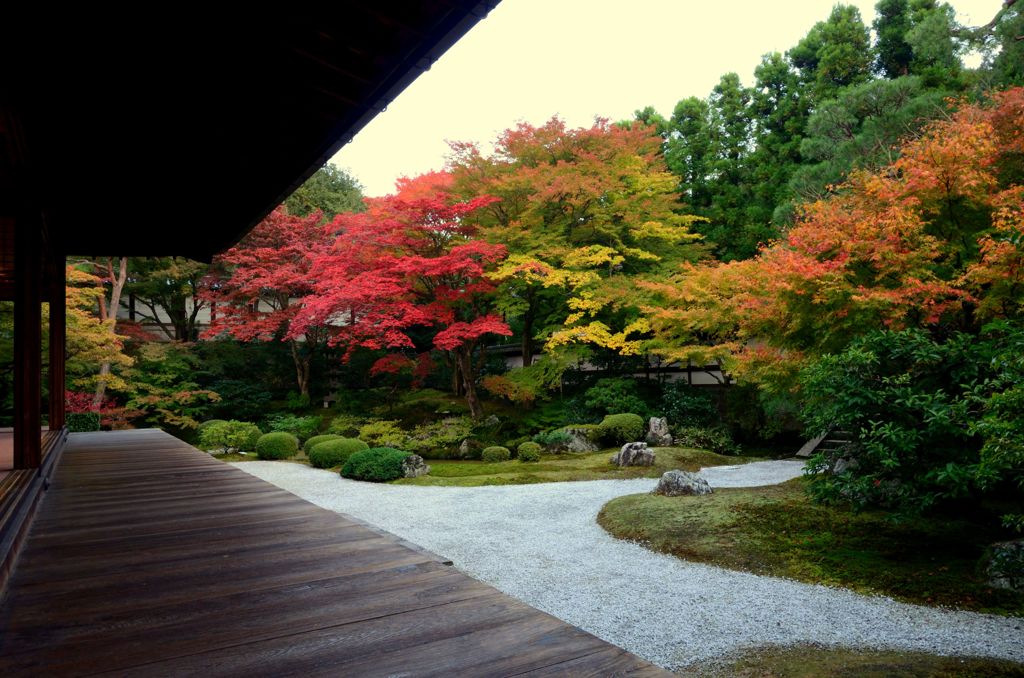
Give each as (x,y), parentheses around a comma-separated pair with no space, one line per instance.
(619,429)
(495,454)
(376,465)
(331,453)
(529,451)
(277,445)
(316,440)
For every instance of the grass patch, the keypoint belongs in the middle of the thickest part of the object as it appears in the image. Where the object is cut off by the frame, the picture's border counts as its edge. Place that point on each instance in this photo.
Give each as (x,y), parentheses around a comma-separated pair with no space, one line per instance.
(563,467)
(816,662)
(776,530)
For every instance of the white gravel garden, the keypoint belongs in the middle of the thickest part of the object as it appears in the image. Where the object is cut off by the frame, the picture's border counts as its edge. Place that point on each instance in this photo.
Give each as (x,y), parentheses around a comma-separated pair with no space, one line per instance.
(541,544)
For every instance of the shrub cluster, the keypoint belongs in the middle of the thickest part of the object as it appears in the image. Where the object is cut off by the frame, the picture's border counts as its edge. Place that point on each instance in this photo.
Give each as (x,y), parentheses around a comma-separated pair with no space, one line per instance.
(233,434)
(552,440)
(346,425)
(529,452)
(80,422)
(495,454)
(439,439)
(383,433)
(713,439)
(619,429)
(335,452)
(376,465)
(277,445)
(301,427)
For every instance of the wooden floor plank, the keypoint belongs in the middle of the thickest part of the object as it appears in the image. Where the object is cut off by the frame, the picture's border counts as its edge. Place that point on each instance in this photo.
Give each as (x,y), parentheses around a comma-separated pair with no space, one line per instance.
(148,557)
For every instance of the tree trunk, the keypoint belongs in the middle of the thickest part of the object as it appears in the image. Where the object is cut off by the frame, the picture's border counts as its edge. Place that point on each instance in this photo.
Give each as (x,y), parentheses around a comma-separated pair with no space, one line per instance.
(527,329)
(464,359)
(108,311)
(301,368)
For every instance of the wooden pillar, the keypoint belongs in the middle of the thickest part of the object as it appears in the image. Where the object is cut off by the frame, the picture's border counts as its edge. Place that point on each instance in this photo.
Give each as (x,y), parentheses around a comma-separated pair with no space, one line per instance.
(28,365)
(58,336)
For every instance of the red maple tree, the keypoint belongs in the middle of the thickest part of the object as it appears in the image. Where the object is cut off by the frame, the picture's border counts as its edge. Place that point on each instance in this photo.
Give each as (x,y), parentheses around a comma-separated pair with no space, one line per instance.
(256,287)
(408,261)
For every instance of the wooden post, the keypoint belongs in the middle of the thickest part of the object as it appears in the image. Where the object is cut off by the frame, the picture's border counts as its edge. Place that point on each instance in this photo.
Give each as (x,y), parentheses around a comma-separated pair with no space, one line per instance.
(28,361)
(58,336)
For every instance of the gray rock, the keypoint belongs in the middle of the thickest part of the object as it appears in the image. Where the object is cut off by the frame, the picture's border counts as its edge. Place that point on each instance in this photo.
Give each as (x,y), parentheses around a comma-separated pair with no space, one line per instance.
(680,483)
(470,449)
(1004,565)
(634,454)
(414,466)
(579,441)
(657,432)
(844,464)
(492,421)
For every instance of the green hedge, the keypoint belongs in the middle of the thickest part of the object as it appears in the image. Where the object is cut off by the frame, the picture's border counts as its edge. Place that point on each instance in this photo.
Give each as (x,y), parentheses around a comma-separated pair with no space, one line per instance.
(529,451)
(239,435)
(377,465)
(81,422)
(619,429)
(277,445)
(331,453)
(495,454)
(316,440)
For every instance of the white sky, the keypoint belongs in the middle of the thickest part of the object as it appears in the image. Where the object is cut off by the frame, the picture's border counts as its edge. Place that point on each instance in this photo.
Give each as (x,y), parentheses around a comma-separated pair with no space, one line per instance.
(532,59)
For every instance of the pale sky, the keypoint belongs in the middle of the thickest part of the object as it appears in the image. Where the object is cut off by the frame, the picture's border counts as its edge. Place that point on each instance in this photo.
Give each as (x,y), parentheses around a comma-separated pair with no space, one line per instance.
(532,59)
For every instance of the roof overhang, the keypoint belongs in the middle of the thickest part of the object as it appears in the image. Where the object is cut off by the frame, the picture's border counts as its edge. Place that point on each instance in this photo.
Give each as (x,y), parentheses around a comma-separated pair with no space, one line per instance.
(175,136)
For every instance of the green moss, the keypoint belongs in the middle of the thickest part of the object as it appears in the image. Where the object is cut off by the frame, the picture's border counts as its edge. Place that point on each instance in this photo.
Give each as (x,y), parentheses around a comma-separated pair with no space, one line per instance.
(560,468)
(818,662)
(776,530)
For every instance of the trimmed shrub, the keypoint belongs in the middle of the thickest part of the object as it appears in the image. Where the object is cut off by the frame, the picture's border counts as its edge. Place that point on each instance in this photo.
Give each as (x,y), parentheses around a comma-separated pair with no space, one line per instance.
(301,427)
(495,454)
(331,453)
(376,465)
(81,422)
(619,429)
(316,440)
(238,435)
(529,452)
(552,440)
(277,445)
(516,442)
(383,433)
(712,439)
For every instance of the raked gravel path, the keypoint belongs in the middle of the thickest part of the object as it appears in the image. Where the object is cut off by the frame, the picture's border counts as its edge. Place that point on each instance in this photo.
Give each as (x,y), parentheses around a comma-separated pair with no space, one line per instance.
(541,544)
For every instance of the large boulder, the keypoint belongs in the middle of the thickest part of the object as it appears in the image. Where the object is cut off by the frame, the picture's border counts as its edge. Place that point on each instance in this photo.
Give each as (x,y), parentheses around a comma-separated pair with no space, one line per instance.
(634,454)
(579,441)
(680,483)
(657,432)
(1004,565)
(414,466)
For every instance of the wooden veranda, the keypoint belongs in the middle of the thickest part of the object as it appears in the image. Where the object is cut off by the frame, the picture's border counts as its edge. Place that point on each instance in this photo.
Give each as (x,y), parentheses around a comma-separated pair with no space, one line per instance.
(147,557)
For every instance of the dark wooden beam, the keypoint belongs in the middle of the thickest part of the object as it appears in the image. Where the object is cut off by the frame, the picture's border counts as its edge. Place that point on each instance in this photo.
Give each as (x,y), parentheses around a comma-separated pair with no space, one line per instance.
(27,344)
(58,335)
